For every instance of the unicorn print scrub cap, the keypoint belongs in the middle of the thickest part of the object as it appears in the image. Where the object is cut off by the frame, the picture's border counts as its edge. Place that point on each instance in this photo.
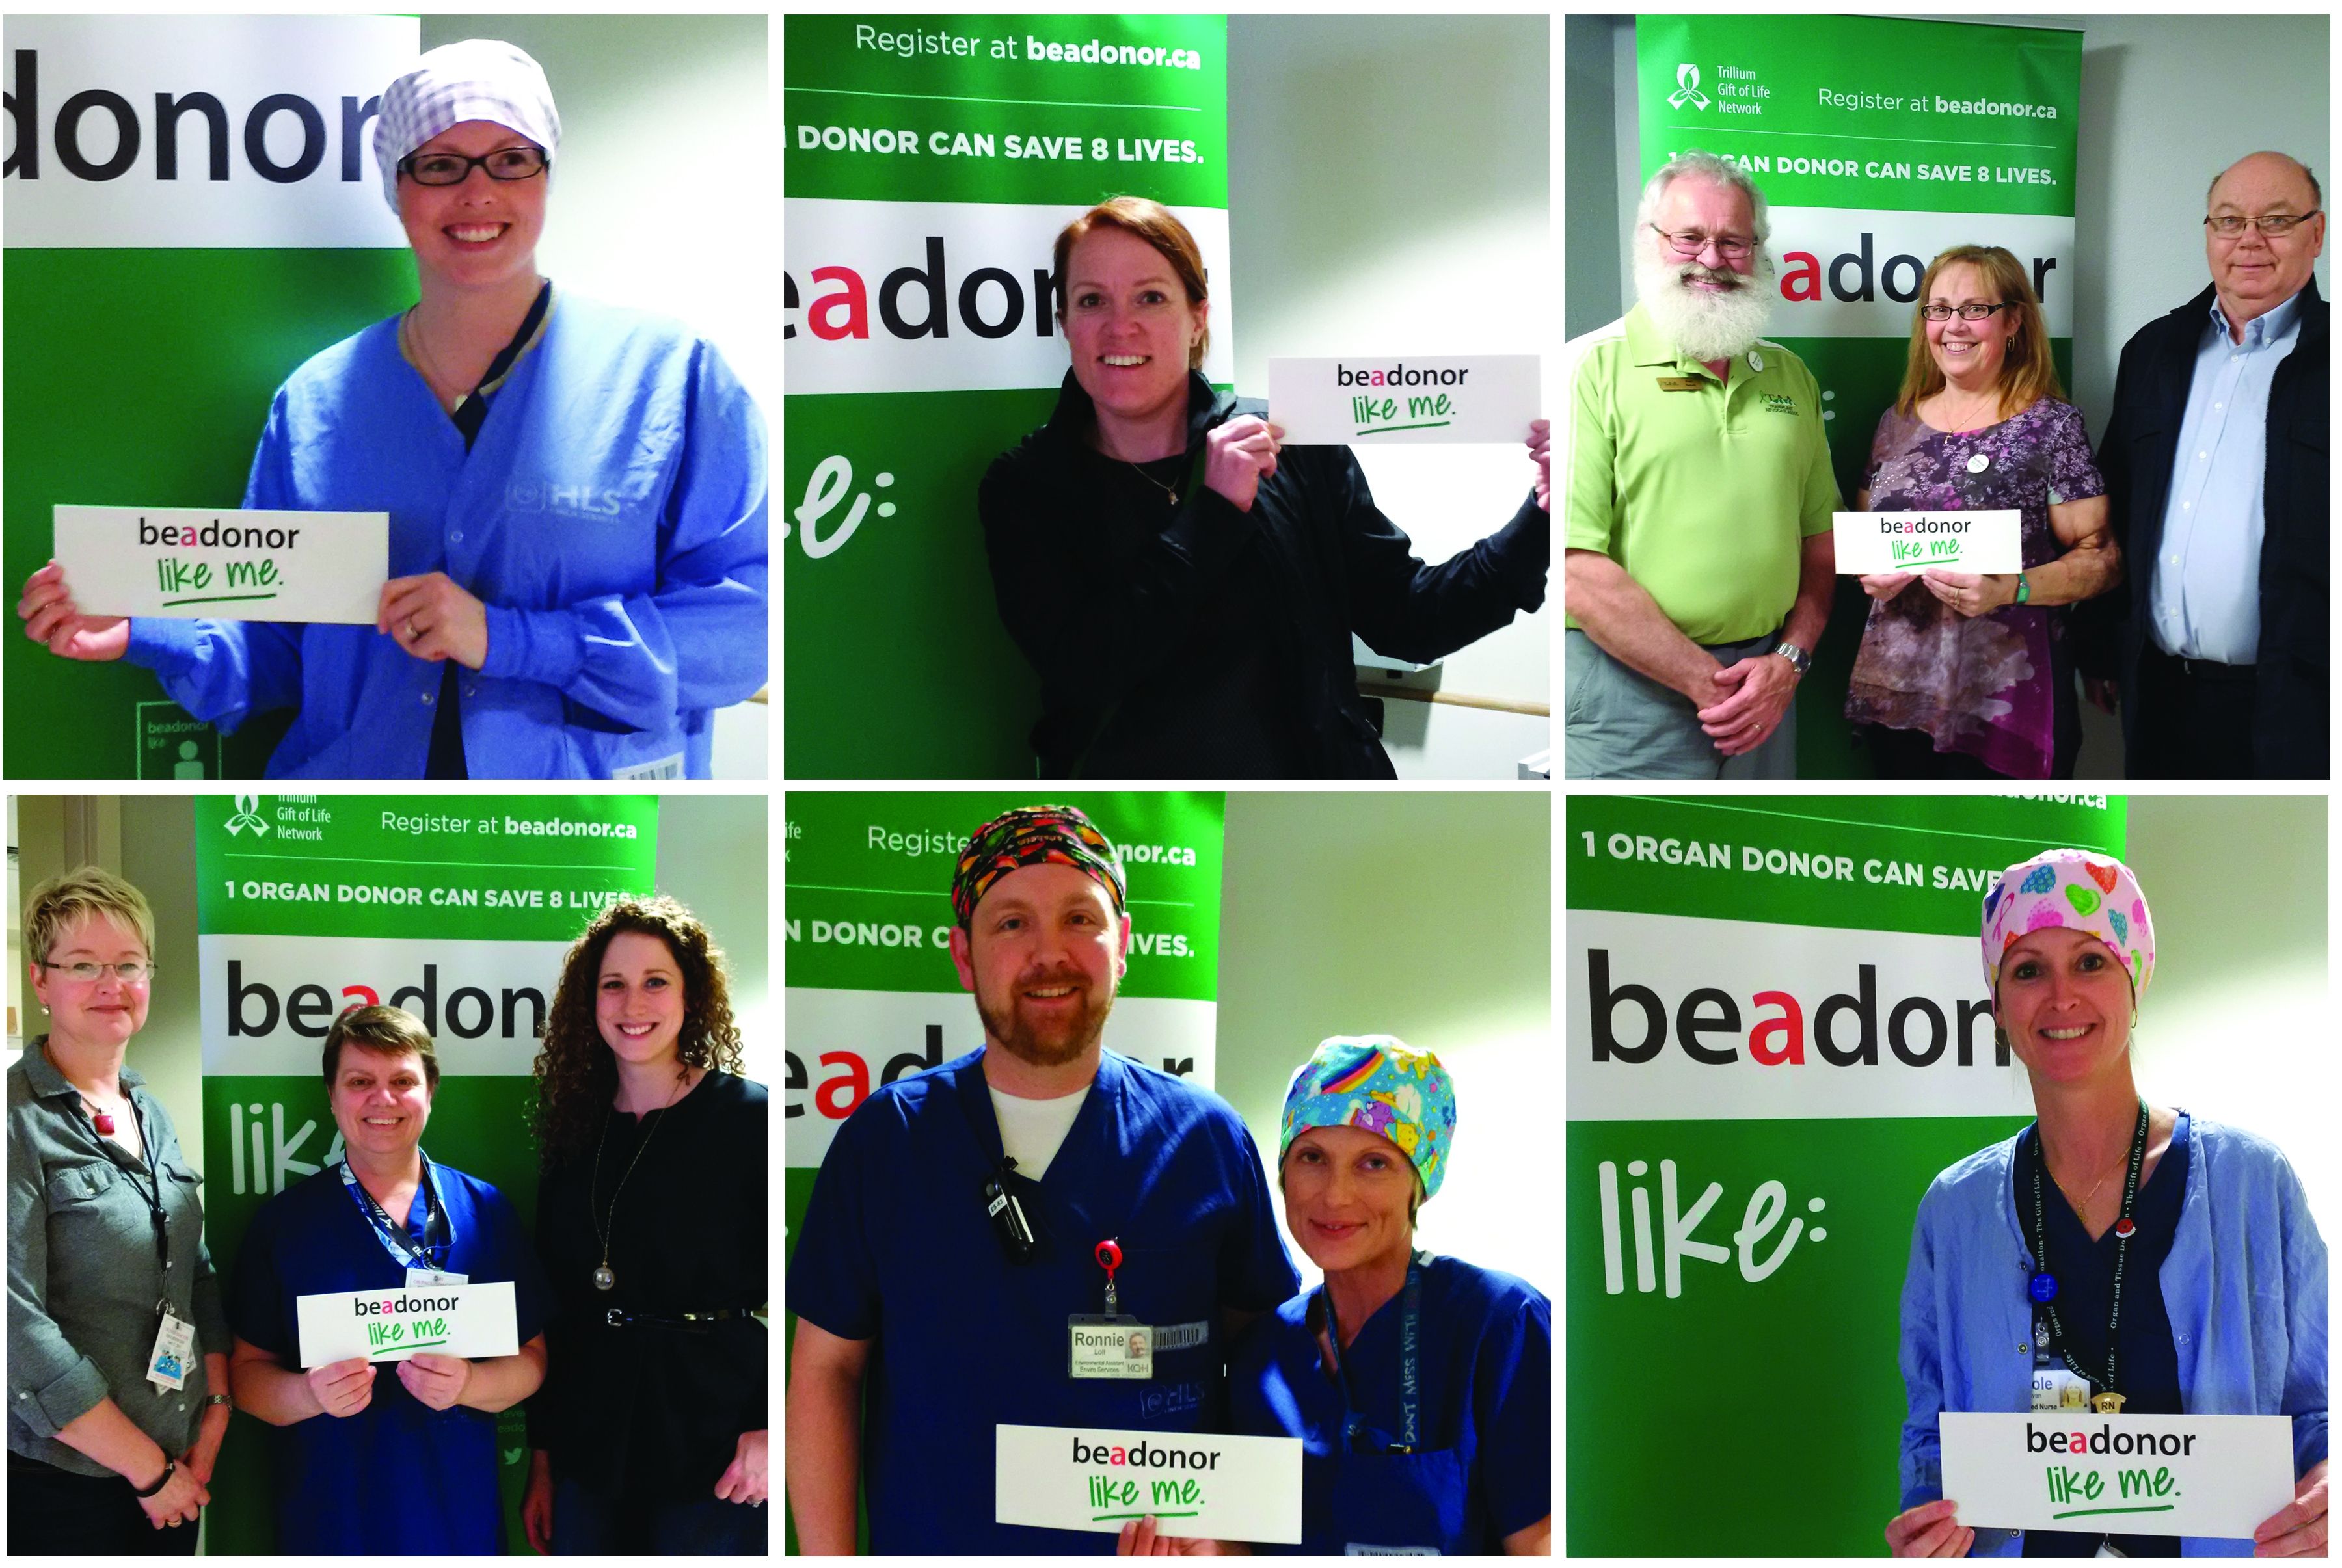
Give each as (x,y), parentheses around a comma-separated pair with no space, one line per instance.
(1376,1083)
(477,79)
(2076,888)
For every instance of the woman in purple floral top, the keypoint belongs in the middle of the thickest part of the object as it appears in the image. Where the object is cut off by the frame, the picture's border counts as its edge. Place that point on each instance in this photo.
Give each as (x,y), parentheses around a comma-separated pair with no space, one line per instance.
(1963,676)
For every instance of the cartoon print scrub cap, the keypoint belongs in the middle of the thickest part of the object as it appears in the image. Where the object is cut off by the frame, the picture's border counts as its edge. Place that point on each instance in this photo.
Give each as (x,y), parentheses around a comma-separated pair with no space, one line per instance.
(1034,836)
(477,79)
(2076,888)
(1376,1083)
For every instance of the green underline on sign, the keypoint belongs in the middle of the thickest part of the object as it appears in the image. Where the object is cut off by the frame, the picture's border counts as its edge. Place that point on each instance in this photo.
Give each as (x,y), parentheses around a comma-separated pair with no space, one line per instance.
(1101,1518)
(2142,1508)
(214,599)
(1034,102)
(1386,429)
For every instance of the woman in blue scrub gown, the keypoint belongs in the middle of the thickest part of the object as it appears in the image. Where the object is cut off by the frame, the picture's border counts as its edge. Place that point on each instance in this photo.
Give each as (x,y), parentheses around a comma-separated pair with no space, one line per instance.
(576,497)
(1462,1465)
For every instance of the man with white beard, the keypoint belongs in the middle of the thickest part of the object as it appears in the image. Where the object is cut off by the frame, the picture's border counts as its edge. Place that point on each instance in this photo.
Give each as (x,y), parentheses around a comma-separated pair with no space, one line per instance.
(1696,562)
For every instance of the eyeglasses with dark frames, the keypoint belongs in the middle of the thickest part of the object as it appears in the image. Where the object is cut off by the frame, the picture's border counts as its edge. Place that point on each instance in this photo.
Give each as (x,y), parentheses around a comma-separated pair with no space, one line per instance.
(1970,312)
(2273,225)
(506,163)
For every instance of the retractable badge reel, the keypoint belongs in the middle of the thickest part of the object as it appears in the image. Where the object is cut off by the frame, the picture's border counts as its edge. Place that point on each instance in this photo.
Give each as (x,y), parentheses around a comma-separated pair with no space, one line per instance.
(1108,1344)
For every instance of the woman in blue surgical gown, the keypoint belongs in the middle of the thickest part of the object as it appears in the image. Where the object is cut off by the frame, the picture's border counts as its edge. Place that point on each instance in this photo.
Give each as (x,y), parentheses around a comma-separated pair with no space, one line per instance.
(576,497)
(1421,1387)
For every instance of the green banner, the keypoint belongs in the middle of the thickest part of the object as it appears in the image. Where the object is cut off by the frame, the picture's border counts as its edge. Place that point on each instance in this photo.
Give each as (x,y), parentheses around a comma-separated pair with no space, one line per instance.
(157,297)
(1879,142)
(930,162)
(458,908)
(1777,1035)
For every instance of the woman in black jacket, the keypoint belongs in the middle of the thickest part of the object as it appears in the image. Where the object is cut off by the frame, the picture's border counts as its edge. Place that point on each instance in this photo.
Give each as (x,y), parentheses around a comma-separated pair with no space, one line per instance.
(1186,588)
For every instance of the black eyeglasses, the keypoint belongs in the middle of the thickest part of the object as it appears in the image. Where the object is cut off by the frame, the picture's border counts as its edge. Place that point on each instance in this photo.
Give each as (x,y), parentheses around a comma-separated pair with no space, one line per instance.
(1965,312)
(2273,225)
(505,163)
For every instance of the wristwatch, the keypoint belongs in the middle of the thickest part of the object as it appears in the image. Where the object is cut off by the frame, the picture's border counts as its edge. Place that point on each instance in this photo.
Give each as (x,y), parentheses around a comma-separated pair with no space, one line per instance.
(1799,660)
(2024,589)
(218,1399)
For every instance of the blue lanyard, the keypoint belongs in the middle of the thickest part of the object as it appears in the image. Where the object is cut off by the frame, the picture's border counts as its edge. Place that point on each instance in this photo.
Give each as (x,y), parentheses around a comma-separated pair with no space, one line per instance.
(1410,1386)
(394,1238)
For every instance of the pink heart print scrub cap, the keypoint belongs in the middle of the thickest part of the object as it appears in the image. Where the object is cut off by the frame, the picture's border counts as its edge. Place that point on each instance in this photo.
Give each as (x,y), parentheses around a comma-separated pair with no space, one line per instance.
(2081,889)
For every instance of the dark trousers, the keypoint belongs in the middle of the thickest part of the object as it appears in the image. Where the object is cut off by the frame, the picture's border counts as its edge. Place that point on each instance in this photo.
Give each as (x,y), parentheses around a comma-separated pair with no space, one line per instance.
(588,1522)
(2192,720)
(55,1512)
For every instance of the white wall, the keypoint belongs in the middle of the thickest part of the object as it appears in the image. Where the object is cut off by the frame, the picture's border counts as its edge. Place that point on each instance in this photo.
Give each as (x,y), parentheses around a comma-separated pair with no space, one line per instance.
(2238,1026)
(1426,917)
(1388,193)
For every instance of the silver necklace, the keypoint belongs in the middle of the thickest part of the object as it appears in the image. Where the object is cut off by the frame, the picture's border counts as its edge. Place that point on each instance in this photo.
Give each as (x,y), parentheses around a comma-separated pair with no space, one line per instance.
(604,1279)
(1170,491)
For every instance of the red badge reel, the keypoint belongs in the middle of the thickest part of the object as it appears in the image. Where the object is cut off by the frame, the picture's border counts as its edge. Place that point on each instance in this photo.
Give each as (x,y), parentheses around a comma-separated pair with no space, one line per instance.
(1109,1257)
(2123,1228)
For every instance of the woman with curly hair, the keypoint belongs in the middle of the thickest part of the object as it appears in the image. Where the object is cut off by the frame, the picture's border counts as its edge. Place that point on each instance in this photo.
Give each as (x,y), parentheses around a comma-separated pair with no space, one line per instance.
(648,1437)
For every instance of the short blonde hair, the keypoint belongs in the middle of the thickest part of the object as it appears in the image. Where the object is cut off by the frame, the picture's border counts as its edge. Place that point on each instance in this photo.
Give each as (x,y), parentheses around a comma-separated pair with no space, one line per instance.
(64,902)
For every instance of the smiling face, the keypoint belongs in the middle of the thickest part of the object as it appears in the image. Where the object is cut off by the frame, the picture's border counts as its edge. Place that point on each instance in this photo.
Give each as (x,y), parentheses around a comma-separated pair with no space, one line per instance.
(1711,207)
(1970,354)
(381,1100)
(1043,952)
(2255,273)
(101,1014)
(2066,1001)
(483,232)
(1129,325)
(1346,1193)
(638,1003)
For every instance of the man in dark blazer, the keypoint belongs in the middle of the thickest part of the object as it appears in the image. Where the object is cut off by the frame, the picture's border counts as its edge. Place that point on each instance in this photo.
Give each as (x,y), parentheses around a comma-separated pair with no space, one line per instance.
(2215,467)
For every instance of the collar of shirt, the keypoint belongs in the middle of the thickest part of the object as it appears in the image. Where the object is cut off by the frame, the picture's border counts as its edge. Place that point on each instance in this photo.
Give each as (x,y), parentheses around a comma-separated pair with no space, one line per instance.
(2270,327)
(47,1081)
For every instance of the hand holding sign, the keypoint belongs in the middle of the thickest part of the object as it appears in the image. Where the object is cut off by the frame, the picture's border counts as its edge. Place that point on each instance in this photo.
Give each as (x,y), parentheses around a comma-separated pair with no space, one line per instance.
(1930,1529)
(2298,1528)
(342,1388)
(51,618)
(436,1381)
(1239,454)
(1541,451)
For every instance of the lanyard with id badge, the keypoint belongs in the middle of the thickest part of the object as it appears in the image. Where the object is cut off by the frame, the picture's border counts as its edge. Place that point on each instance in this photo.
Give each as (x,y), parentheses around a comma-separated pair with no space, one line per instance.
(2059,1383)
(1108,1343)
(425,1265)
(173,1354)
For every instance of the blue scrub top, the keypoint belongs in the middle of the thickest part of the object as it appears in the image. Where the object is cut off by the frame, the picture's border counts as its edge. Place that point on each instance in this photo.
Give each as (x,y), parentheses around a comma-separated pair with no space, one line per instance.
(1485,1359)
(398,1477)
(895,1248)
(612,516)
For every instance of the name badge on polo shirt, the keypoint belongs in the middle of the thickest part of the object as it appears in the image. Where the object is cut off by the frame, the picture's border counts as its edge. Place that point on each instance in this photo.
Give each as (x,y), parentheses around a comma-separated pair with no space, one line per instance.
(173,1353)
(1098,1345)
(1680,383)
(423,1276)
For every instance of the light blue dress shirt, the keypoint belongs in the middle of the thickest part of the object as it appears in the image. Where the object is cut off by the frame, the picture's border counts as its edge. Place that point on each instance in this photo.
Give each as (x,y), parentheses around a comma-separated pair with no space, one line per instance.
(2245,1283)
(611,515)
(2205,593)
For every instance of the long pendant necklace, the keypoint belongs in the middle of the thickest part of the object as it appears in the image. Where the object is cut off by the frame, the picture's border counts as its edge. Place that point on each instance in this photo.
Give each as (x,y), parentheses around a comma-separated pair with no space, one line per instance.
(1170,491)
(102,1120)
(603,1278)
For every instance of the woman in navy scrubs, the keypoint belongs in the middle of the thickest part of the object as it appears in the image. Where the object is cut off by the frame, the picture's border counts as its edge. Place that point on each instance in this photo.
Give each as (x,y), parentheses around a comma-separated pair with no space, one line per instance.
(1421,1387)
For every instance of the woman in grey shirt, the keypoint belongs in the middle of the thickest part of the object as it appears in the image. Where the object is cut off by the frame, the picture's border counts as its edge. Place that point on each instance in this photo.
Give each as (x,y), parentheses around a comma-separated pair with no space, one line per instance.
(117,1345)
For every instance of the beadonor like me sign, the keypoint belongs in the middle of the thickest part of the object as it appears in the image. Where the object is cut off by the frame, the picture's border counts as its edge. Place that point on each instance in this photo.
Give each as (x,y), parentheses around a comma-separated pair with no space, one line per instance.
(2214,1475)
(1402,400)
(186,562)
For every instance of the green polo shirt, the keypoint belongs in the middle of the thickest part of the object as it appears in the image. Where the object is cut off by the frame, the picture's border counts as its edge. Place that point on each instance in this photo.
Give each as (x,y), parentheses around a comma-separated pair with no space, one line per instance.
(1702,495)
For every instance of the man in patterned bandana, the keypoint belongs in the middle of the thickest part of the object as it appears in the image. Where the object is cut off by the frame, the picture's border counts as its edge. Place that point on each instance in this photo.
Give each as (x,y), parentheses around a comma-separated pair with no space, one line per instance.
(991,1196)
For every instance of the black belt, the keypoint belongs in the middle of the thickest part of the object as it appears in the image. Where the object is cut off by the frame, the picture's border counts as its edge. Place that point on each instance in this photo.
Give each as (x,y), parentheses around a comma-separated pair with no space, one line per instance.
(616,1318)
(2204,669)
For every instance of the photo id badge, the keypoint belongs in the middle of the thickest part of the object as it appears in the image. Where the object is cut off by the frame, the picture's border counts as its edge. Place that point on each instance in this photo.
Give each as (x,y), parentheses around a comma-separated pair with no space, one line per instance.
(422,1276)
(2057,1388)
(1105,1346)
(175,1353)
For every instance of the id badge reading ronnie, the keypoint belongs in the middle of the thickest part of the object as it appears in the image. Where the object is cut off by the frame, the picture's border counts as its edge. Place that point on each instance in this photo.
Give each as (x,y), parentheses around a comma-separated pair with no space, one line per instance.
(1107,1346)
(175,1353)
